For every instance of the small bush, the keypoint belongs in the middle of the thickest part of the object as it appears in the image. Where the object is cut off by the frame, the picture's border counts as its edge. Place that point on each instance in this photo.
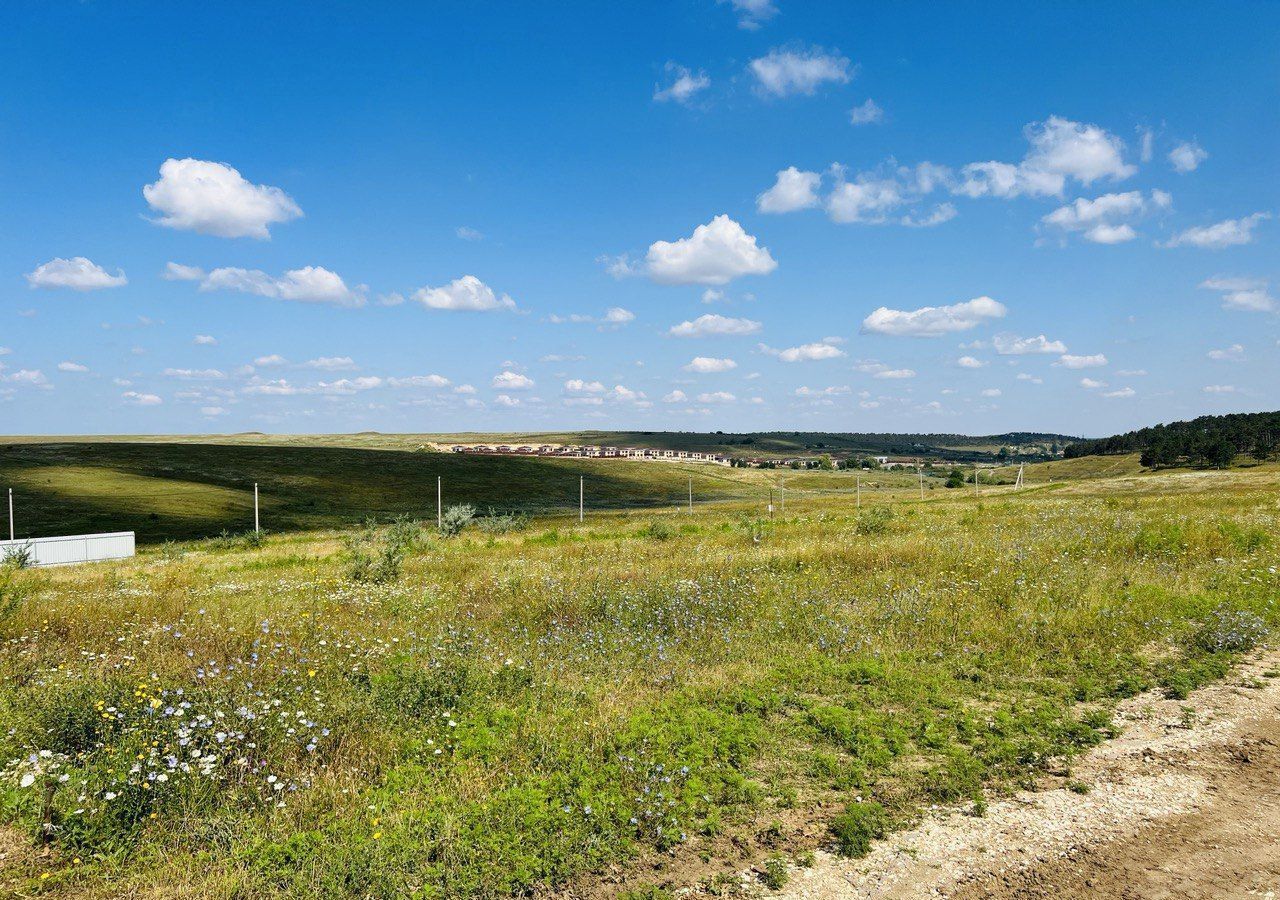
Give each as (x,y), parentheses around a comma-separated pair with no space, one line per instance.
(1228,629)
(20,557)
(859,825)
(501,523)
(455,519)
(774,875)
(243,540)
(374,555)
(874,521)
(657,530)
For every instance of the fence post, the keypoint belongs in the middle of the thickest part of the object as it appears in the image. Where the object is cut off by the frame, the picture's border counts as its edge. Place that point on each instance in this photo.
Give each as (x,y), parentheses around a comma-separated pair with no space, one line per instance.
(690,495)
(581,489)
(11,514)
(256,528)
(439,502)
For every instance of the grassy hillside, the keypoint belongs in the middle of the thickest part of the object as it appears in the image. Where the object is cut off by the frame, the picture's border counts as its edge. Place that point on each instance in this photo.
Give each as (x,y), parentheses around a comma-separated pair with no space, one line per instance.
(588,711)
(185,490)
(775,443)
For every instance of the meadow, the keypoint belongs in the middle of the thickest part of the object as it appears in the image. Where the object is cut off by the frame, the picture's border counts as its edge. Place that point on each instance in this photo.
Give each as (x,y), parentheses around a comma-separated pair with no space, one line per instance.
(648,700)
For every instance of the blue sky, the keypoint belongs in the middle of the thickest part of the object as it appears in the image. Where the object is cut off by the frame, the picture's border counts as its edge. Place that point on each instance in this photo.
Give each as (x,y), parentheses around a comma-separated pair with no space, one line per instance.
(691,215)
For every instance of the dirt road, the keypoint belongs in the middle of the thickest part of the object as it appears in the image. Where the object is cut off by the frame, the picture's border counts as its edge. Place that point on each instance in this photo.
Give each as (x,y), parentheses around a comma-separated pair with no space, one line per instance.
(1184,804)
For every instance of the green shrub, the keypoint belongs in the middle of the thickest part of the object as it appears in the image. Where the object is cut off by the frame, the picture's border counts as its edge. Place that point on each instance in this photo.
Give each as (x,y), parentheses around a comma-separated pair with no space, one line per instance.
(774,875)
(657,530)
(375,555)
(874,521)
(455,519)
(859,825)
(1229,629)
(19,557)
(501,523)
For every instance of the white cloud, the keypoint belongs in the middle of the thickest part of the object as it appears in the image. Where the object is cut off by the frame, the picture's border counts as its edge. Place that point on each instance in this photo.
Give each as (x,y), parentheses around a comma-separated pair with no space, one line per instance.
(578,386)
(824,349)
(72,367)
(274,359)
(969,362)
(1091,384)
(831,391)
(676,396)
(684,85)
(868,198)
(512,381)
(1234,353)
(1060,150)
(1220,389)
(465,293)
(992,392)
(504,400)
(1131,373)
(28,377)
(205,340)
(467,233)
(212,411)
(708,364)
(783,73)
(752,13)
(616,315)
(714,254)
(1105,219)
(894,373)
(310,284)
(1243,294)
(77,273)
(1120,394)
(943,212)
(716,397)
(1012,345)
(1026,376)
(213,198)
(425,381)
(792,190)
(708,325)
(178,272)
(136,399)
(934,321)
(1227,233)
(194,374)
(866,113)
(711,295)
(1187,156)
(620,266)
(1068,361)
(332,363)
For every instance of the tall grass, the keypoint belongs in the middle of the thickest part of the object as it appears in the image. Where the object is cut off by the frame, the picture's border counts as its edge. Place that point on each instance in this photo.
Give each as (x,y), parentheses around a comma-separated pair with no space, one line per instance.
(514,709)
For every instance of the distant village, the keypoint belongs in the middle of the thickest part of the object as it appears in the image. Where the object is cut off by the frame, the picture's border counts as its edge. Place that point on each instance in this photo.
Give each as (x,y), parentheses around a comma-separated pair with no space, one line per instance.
(655,455)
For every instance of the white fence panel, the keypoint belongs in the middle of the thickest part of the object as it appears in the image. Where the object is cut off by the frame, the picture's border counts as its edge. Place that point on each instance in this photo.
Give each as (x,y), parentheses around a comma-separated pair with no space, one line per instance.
(76,548)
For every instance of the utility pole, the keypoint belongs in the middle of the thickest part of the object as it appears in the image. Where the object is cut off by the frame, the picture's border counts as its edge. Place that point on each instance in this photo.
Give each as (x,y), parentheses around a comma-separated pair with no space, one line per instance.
(11,514)
(257,528)
(439,502)
(920,471)
(690,495)
(858,482)
(975,481)
(1018,484)
(581,488)
(770,503)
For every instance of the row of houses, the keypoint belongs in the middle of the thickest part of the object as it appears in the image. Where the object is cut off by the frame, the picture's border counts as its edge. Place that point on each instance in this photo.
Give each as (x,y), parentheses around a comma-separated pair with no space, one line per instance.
(590,450)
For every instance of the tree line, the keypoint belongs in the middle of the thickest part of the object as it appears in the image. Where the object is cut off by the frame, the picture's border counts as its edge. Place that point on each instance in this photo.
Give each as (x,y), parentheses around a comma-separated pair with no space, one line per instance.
(1203,441)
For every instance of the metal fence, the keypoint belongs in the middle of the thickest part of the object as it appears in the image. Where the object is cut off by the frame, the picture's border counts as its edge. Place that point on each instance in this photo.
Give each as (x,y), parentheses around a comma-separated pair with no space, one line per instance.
(77,548)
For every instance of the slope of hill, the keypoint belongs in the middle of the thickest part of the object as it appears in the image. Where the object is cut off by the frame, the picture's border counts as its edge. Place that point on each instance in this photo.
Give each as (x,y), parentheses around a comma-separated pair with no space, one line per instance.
(1206,440)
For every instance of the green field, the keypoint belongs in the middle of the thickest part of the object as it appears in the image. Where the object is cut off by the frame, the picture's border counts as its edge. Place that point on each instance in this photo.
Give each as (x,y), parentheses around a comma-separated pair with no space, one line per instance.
(182,490)
(647,701)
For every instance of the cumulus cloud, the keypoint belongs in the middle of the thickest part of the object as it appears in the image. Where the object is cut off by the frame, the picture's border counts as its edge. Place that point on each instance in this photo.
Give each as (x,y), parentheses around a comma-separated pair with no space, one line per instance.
(683,86)
(716,397)
(467,233)
(792,190)
(1091,385)
(76,273)
(578,386)
(1106,219)
(465,293)
(969,362)
(676,396)
(212,411)
(274,359)
(72,367)
(866,113)
(614,317)
(714,254)
(1242,294)
(709,364)
(1121,394)
(799,70)
(134,398)
(195,374)
(824,349)
(1060,149)
(512,381)
(992,392)
(1220,389)
(1187,156)
(867,198)
(213,198)
(1093,361)
(424,381)
(332,363)
(1012,345)
(934,321)
(709,325)
(1227,233)
(830,391)
(752,13)
(205,340)
(1234,353)
(310,284)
